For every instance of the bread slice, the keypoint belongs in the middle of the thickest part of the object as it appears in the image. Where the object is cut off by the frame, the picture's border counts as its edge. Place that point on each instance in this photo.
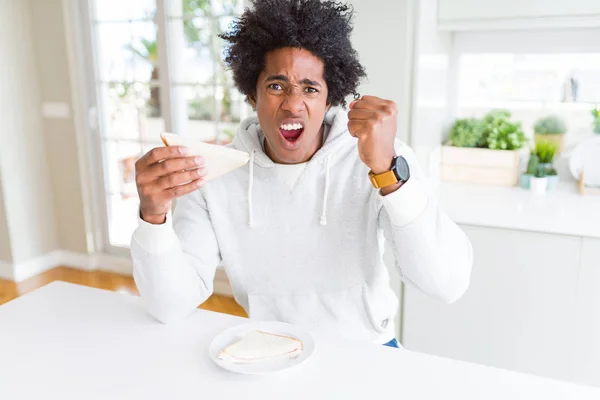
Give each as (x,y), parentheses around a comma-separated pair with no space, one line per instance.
(258,346)
(218,160)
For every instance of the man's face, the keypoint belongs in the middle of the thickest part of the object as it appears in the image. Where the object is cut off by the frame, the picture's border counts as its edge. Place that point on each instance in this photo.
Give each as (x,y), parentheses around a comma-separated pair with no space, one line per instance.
(291,102)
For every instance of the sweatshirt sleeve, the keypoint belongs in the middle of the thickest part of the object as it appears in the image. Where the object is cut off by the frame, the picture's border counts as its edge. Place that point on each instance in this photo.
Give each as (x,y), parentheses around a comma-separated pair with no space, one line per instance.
(174,263)
(431,251)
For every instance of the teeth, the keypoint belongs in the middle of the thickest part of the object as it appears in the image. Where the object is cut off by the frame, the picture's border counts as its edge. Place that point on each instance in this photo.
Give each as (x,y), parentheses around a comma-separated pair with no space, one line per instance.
(289,127)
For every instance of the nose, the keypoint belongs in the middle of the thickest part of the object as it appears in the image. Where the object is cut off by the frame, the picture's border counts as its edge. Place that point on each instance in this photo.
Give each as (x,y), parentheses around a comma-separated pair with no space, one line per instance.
(293,102)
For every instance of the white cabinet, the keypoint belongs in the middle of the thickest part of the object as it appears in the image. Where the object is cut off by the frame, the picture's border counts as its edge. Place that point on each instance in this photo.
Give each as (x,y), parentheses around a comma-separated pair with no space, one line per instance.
(525,14)
(587,324)
(520,310)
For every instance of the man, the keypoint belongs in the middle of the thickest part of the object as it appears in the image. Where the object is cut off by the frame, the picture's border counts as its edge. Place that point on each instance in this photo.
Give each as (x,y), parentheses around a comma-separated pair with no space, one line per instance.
(299,230)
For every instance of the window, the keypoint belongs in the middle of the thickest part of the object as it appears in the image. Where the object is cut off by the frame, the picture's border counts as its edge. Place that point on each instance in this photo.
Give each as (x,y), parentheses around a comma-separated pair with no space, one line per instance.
(531,74)
(142,90)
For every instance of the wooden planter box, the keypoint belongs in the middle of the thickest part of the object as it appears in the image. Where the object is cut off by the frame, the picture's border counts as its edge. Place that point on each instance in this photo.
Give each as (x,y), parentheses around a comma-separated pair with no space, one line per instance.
(482,166)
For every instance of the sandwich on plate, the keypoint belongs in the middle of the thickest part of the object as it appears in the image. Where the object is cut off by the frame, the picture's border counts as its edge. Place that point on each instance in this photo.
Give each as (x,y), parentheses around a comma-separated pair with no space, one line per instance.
(258,346)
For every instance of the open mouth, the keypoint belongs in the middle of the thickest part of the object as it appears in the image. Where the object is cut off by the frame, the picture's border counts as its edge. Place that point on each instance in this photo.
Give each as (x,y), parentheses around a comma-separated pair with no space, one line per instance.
(291,132)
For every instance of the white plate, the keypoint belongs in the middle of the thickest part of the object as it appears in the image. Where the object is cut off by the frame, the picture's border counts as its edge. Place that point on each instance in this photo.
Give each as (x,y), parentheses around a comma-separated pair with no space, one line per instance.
(231,335)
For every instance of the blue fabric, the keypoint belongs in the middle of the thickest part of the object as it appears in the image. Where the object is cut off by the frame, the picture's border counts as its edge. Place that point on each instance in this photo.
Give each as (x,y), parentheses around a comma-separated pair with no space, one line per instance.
(392,343)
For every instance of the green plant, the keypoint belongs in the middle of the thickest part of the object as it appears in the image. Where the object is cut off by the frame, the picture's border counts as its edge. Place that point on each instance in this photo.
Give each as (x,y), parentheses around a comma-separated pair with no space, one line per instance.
(200,108)
(546,151)
(230,133)
(540,172)
(500,133)
(466,132)
(533,164)
(147,50)
(596,114)
(551,172)
(551,124)
(195,37)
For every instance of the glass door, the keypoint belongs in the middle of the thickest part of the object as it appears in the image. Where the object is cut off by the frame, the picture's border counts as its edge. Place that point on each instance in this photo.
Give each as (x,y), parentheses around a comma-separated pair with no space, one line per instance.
(157,66)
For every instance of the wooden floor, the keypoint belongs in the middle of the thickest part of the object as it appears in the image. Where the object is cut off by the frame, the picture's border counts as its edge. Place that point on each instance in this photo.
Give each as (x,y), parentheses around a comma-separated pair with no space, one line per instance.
(103,280)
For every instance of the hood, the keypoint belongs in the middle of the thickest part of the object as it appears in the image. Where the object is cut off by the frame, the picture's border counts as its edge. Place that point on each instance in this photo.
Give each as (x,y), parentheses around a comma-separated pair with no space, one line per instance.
(250,137)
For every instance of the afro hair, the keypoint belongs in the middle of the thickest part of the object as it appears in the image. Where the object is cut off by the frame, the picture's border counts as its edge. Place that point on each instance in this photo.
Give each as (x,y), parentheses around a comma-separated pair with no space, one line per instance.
(321,27)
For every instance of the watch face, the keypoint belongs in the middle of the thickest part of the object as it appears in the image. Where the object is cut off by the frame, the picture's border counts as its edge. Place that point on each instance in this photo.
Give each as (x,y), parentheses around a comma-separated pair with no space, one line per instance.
(401,169)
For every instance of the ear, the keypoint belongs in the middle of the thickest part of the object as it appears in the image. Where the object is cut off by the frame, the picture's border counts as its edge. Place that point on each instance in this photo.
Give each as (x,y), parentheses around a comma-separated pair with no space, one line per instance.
(252,101)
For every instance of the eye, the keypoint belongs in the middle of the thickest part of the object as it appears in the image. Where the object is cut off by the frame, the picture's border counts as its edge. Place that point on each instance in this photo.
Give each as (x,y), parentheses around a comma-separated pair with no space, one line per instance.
(311,90)
(275,86)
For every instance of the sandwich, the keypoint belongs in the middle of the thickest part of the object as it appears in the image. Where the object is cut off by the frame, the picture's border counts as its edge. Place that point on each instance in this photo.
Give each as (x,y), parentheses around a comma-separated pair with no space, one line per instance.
(258,346)
(218,160)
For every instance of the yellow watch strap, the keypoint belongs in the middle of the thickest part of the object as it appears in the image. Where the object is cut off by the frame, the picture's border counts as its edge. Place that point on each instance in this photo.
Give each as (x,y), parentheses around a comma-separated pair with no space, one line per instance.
(382,180)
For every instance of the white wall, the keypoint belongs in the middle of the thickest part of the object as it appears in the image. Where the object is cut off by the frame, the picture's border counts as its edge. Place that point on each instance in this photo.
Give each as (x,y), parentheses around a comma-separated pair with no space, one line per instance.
(28,200)
(493,9)
(5,253)
(61,141)
(432,107)
(383,36)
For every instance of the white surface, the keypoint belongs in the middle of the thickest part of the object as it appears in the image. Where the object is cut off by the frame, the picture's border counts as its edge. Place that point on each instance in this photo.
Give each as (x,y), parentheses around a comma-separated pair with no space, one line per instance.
(55,110)
(519,311)
(75,342)
(489,14)
(563,211)
(236,333)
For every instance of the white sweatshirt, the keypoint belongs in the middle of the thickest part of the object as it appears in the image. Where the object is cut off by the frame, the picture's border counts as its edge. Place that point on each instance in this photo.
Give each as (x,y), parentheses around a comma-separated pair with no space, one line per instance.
(308,253)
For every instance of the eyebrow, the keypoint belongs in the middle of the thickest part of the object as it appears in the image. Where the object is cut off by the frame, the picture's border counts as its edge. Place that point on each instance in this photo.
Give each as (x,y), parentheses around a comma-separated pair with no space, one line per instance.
(284,78)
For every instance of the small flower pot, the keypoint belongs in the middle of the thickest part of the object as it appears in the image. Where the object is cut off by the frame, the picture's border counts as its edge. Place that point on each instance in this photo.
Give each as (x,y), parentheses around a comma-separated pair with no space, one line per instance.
(552,182)
(525,180)
(546,166)
(538,185)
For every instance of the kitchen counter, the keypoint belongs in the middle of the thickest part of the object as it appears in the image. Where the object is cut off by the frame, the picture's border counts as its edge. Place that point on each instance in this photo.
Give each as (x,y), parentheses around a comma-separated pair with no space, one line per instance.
(563,211)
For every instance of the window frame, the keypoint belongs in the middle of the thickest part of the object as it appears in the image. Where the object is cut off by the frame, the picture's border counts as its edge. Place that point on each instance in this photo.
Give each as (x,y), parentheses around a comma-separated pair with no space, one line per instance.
(540,41)
(93,130)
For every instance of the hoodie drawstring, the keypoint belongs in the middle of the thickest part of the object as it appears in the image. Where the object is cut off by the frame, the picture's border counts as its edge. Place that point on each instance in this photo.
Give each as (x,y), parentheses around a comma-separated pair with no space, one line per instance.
(250,184)
(323,220)
(326,193)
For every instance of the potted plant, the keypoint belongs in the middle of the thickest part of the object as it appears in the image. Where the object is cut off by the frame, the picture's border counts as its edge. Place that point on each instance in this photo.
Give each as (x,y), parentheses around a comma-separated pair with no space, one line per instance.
(546,152)
(539,181)
(596,115)
(500,133)
(466,132)
(484,151)
(532,167)
(541,158)
(550,129)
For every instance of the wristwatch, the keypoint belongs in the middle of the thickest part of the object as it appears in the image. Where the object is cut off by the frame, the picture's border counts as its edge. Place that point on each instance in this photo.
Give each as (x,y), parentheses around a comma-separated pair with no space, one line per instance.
(399,172)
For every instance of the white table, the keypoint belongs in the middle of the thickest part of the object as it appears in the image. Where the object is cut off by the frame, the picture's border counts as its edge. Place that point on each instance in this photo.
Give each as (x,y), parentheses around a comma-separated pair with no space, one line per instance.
(72,342)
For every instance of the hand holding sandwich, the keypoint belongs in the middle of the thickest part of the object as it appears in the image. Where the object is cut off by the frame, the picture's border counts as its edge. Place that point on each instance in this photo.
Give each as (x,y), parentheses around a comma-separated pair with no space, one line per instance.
(163,174)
